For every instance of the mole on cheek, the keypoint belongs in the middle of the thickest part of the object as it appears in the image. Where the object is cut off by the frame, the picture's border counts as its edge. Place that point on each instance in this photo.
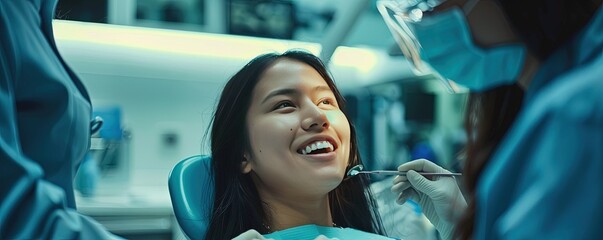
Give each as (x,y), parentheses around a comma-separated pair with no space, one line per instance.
(291,129)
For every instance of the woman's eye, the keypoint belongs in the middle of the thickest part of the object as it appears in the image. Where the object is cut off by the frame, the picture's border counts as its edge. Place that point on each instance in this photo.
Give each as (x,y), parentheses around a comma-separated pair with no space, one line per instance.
(326,101)
(283,105)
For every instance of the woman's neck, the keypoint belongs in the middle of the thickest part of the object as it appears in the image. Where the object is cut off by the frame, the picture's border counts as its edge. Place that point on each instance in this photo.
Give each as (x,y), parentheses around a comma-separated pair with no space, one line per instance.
(284,213)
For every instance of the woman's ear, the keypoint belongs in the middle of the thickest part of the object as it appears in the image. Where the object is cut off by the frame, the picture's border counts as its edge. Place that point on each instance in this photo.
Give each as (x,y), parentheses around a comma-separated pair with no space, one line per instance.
(245,165)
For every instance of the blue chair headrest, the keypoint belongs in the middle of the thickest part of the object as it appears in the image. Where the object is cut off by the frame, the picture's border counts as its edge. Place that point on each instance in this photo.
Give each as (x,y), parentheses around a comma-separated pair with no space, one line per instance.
(191,190)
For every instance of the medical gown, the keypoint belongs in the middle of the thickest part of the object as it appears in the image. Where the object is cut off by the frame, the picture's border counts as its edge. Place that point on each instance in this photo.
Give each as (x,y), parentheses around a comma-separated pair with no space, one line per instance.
(543,182)
(44,129)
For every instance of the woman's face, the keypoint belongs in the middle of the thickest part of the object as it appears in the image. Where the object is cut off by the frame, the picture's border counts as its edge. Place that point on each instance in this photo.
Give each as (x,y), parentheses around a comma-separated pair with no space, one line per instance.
(299,137)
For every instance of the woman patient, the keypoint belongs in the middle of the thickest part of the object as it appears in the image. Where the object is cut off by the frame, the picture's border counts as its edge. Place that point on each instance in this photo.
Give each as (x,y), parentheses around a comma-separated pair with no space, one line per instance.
(281,146)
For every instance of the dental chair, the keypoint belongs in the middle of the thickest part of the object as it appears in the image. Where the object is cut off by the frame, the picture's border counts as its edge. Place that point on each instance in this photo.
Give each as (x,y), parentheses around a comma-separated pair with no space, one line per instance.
(191,190)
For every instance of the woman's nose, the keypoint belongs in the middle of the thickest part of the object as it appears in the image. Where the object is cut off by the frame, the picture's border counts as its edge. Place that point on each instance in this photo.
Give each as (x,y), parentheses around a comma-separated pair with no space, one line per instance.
(314,119)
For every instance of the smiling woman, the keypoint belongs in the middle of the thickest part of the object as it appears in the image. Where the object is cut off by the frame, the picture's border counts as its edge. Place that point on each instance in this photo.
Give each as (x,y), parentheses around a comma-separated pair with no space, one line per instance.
(280,148)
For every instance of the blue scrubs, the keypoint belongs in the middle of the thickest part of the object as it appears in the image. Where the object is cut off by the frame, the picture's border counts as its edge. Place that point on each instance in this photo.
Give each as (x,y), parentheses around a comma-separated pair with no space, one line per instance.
(44,129)
(543,182)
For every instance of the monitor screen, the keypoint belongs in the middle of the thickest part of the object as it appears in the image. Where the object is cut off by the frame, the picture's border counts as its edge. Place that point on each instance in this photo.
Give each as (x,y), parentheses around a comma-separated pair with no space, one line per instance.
(261,18)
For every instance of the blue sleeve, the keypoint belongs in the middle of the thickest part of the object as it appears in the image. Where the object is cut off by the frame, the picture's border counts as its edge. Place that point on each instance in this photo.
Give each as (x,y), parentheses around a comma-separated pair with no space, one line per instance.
(30,207)
(559,194)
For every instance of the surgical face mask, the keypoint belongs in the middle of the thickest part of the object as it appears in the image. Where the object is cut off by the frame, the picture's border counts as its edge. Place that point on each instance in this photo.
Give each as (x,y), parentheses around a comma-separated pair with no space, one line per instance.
(444,40)
(448,46)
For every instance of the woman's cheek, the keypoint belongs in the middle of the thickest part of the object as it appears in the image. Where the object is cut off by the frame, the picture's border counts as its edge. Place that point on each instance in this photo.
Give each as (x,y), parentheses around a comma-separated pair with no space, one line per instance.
(336,117)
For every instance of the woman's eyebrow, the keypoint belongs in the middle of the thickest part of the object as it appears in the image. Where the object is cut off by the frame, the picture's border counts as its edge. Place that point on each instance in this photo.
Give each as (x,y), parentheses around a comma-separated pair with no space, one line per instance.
(322,88)
(284,91)
(293,91)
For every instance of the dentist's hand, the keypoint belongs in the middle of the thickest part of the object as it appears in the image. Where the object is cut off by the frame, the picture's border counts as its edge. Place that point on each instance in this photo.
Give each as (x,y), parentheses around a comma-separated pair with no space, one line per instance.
(439,197)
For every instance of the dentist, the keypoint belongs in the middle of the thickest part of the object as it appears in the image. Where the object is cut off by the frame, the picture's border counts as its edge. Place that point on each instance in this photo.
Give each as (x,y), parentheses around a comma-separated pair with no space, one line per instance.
(44,129)
(531,159)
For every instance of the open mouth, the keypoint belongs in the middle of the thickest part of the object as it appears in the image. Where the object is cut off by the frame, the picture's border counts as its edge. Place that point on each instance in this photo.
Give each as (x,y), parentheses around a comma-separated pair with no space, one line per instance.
(317,147)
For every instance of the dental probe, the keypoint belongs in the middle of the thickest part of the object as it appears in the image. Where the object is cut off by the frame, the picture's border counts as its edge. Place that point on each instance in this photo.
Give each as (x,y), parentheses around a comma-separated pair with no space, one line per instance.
(358,170)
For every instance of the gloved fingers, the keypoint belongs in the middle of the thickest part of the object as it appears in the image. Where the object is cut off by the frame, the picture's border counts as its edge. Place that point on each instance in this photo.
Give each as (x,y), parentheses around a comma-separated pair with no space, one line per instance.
(421,165)
(400,187)
(421,184)
(400,178)
(408,194)
(416,165)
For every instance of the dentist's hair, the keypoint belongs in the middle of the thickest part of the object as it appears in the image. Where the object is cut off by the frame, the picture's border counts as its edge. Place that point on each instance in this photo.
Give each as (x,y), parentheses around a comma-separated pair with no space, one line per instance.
(237,206)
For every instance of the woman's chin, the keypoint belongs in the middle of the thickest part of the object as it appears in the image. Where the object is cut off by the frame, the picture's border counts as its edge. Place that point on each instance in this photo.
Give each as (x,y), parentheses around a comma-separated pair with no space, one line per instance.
(329,181)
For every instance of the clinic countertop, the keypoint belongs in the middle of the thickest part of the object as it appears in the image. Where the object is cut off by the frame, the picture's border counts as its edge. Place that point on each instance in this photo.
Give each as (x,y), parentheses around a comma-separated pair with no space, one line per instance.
(136,201)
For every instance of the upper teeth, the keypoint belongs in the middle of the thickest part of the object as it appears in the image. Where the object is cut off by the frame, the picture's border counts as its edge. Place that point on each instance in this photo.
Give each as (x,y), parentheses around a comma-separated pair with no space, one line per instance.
(317,145)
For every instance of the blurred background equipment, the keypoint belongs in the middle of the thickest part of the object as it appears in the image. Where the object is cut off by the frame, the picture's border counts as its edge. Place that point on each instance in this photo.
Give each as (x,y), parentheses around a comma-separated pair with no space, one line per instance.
(110,150)
(86,11)
(301,20)
(261,18)
(107,164)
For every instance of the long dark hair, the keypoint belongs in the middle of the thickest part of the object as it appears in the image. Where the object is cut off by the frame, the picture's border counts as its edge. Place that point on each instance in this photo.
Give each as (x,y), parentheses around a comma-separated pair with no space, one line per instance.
(237,206)
(488,116)
(544,26)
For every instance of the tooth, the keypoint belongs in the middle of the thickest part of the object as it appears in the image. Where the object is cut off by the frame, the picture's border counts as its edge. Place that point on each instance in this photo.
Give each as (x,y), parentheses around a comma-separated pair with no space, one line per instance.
(308,149)
(303,151)
(314,146)
(320,145)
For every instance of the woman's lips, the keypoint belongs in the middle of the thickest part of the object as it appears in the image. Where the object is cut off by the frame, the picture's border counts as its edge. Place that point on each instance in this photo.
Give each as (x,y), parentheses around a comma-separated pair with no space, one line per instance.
(321,156)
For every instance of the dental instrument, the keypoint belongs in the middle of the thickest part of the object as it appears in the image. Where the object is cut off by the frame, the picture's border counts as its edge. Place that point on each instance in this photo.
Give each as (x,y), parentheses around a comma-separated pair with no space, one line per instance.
(358,170)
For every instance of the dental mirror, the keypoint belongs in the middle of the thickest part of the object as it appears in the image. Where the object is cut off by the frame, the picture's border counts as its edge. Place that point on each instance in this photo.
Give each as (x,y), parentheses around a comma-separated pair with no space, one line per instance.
(358,170)
(354,170)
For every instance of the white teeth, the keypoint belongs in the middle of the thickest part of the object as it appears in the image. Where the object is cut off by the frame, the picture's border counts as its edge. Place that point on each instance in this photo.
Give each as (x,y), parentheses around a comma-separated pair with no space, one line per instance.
(329,145)
(318,145)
